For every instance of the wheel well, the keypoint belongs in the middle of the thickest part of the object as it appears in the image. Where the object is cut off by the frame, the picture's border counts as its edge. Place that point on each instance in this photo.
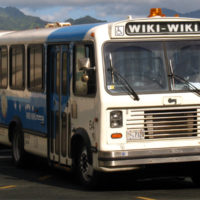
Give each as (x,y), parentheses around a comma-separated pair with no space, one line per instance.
(77,141)
(15,122)
(81,137)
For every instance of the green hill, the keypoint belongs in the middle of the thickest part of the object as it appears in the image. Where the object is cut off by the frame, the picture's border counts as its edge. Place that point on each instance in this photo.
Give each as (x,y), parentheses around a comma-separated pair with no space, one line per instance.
(13,19)
(84,20)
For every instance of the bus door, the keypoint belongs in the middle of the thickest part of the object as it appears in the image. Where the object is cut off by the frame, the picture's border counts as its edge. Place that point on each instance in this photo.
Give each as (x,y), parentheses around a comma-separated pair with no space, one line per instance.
(59,96)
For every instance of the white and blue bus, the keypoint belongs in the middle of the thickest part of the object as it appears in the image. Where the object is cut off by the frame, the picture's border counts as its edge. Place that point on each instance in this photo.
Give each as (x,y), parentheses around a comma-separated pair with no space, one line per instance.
(103,97)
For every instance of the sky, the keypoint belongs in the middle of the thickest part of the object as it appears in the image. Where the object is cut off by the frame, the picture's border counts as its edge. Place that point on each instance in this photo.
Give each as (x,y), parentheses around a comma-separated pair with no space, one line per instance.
(110,10)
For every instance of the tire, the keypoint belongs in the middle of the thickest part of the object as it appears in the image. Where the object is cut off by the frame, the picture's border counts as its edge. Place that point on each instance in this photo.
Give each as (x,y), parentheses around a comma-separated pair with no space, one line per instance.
(86,174)
(18,153)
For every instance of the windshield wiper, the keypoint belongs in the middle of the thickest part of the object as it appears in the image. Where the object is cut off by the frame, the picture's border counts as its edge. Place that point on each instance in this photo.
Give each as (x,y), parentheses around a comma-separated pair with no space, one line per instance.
(191,86)
(116,75)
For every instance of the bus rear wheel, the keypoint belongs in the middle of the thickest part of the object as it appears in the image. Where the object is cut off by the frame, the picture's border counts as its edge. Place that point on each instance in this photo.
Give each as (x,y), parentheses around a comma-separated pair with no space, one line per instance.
(86,174)
(18,153)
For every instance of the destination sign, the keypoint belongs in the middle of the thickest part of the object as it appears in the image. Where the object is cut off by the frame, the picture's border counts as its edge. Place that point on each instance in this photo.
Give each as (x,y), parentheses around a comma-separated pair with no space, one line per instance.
(133,28)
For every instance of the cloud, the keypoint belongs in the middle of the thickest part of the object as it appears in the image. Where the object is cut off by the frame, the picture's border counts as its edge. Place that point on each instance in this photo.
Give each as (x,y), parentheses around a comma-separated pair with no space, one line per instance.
(53,14)
(101,8)
(179,5)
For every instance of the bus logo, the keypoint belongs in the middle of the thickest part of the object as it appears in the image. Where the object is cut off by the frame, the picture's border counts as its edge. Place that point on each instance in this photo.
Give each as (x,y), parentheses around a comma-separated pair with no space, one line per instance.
(170,100)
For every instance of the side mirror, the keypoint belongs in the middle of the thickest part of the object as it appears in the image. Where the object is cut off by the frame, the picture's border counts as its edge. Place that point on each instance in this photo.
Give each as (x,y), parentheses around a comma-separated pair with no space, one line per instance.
(84,63)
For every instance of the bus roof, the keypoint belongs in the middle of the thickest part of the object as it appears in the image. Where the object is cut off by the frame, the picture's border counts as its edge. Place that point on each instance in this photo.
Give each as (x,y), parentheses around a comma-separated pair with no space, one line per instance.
(70,33)
(63,34)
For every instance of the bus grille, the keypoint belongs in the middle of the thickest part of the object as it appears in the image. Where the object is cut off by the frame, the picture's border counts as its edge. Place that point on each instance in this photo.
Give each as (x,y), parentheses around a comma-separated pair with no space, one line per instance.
(165,123)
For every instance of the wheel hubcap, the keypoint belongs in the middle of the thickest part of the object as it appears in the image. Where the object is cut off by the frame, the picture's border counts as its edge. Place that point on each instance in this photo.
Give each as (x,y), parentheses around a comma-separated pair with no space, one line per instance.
(86,168)
(16,147)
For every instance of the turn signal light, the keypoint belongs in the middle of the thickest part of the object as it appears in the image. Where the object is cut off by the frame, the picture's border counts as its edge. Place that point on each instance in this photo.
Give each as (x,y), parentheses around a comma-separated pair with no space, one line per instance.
(116,136)
(156,12)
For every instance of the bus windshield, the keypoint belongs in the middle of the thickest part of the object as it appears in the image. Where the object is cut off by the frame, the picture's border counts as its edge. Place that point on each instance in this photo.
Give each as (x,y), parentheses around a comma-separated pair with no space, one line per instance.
(184,59)
(147,68)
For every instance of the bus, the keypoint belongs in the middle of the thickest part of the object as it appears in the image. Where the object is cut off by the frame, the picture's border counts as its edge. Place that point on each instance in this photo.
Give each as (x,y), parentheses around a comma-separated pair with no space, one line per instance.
(103,97)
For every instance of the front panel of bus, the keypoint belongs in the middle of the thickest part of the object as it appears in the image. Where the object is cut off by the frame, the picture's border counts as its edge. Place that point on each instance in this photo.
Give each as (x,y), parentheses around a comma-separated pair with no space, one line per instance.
(150,97)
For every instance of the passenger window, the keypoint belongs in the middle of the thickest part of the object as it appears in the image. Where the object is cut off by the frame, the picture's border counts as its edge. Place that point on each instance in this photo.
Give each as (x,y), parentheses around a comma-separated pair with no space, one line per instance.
(3,67)
(84,70)
(17,67)
(35,67)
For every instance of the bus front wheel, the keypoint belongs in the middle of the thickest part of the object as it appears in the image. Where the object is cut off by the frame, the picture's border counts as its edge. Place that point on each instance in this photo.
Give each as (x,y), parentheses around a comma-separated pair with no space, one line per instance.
(18,153)
(86,174)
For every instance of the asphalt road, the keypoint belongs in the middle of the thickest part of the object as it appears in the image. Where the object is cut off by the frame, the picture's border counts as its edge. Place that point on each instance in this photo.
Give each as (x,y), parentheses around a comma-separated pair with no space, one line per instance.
(38,181)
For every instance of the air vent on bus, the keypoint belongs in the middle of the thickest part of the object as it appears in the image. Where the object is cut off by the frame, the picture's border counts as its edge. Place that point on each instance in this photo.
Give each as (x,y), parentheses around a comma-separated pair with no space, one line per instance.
(165,123)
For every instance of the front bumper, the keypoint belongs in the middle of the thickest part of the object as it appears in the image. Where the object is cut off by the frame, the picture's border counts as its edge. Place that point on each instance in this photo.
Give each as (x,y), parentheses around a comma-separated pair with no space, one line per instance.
(133,158)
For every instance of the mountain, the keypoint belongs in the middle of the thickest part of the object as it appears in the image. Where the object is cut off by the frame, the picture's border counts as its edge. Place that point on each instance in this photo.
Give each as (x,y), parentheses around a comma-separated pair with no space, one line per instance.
(13,19)
(170,12)
(84,20)
(194,14)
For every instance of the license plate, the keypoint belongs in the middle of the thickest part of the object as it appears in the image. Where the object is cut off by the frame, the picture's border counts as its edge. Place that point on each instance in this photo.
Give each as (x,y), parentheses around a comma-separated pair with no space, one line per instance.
(135,134)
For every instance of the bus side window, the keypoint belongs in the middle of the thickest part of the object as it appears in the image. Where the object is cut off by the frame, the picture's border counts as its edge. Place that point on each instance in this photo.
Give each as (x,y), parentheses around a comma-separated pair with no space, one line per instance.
(35,67)
(84,79)
(17,67)
(3,67)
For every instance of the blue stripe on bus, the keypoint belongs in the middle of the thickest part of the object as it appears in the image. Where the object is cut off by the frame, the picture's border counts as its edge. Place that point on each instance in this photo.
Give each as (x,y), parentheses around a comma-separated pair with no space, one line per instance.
(31,111)
(70,33)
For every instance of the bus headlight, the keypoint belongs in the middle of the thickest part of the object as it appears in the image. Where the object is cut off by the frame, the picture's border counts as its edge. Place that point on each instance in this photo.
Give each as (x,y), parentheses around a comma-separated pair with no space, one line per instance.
(116,119)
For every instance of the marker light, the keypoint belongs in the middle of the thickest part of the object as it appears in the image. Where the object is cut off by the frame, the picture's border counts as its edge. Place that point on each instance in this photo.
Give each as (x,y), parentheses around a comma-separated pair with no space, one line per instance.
(176,15)
(156,12)
(116,136)
(92,34)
